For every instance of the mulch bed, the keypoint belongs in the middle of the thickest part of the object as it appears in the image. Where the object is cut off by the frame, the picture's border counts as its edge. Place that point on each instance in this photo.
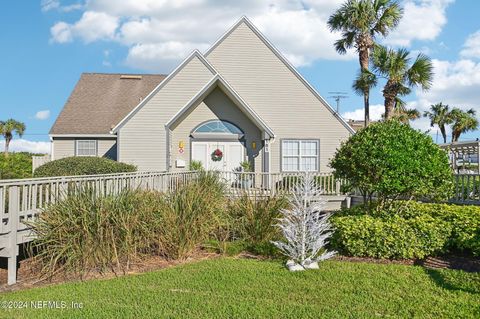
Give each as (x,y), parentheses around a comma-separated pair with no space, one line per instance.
(28,271)
(469,264)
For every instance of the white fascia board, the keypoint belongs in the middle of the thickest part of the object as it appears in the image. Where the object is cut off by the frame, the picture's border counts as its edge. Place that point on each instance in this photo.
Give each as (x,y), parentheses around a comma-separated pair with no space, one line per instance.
(194,54)
(246,109)
(83,135)
(264,39)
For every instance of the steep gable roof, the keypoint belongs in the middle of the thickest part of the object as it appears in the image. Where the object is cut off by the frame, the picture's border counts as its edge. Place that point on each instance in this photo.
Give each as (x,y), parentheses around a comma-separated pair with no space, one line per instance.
(245,21)
(100,100)
(218,81)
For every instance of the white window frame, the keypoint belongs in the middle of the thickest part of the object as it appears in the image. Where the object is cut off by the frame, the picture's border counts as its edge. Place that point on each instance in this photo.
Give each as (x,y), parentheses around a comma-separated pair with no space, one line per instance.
(300,155)
(90,155)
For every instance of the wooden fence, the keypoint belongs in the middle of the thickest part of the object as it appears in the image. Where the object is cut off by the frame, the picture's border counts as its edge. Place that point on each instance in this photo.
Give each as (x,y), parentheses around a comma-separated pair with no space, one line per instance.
(21,201)
(467,189)
(39,160)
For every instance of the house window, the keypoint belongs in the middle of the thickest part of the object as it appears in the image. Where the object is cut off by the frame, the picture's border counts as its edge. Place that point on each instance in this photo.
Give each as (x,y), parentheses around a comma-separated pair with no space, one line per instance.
(218,126)
(300,155)
(86,148)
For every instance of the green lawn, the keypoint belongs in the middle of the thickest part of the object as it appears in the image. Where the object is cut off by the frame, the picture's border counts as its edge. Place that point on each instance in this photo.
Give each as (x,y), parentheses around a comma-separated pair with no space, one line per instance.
(240,288)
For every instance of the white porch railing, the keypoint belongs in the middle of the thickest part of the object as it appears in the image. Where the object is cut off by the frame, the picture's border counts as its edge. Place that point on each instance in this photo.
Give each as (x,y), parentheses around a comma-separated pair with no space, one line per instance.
(467,189)
(22,200)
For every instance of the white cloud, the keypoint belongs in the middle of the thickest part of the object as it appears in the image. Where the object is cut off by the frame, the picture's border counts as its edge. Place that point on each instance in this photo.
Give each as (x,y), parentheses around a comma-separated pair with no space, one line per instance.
(160,33)
(61,32)
(92,26)
(456,83)
(471,47)
(23,145)
(42,115)
(422,20)
(48,5)
(376,112)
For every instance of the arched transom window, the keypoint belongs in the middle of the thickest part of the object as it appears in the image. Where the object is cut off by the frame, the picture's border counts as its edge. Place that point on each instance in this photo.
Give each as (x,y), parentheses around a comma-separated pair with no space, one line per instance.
(218,126)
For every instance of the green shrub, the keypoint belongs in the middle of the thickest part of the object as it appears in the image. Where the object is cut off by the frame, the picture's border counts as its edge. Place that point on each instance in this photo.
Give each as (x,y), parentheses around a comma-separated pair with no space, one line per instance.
(189,216)
(462,222)
(392,160)
(16,165)
(85,232)
(195,165)
(82,166)
(463,219)
(253,218)
(392,237)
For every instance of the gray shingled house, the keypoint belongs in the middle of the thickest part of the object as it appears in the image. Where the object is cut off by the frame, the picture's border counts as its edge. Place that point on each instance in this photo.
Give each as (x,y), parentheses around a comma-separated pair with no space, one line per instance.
(241,97)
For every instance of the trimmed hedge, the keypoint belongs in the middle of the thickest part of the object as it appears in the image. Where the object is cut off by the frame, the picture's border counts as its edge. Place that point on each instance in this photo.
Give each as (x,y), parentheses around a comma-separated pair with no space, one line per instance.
(82,166)
(396,237)
(16,165)
(408,230)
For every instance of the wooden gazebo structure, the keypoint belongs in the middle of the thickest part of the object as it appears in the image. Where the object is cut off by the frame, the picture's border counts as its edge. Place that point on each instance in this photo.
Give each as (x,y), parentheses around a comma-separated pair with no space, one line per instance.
(462,153)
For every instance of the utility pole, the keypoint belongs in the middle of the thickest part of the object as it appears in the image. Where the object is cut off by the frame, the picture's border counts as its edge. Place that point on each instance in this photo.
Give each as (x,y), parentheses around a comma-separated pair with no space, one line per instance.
(337,96)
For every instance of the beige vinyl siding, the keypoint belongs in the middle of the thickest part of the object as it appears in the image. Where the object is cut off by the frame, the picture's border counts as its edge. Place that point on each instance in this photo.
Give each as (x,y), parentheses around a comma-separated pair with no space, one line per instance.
(276,94)
(215,106)
(142,140)
(107,148)
(65,147)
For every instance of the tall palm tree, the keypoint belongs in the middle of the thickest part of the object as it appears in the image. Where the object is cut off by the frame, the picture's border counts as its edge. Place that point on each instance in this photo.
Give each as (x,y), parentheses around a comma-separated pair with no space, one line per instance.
(439,114)
(8,128)
(360,22)
(401,76)
(462,122)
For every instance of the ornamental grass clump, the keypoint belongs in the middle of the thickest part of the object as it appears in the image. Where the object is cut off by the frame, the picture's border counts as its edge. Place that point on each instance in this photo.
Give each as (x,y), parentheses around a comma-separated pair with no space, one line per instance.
(189,215)
(253,217)
(87,232)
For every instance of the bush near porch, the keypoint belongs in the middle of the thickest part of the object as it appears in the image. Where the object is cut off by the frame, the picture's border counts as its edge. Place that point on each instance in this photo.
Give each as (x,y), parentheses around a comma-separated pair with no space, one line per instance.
(82,165)
(393,161)
(408,230)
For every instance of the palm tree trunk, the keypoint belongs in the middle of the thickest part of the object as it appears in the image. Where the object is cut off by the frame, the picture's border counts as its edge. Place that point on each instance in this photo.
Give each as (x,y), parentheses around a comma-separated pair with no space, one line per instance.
(363,56)
(389,106)
(444,133)
(366,103)
(7,144)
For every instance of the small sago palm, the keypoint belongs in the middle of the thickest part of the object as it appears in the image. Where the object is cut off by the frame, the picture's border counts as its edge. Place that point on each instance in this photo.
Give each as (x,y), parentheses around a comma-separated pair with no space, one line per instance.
(440,115)
(8,128)
(401,76)
(462,122)
(360,22)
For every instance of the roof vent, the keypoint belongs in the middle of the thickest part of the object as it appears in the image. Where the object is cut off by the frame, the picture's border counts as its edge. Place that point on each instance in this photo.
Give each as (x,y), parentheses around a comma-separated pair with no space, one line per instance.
(130,77)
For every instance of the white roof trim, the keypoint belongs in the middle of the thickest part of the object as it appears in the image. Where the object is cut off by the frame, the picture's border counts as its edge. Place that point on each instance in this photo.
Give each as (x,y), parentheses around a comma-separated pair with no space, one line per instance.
(264,39)
(82,135)
(219,80)
(194,54)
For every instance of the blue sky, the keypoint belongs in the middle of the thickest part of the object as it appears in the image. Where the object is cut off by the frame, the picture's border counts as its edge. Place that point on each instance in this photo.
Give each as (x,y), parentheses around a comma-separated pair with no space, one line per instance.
(46,45)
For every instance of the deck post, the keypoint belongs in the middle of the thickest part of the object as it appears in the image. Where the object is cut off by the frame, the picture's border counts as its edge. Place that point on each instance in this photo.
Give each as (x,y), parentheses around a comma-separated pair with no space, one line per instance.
(13,210)
(337,187)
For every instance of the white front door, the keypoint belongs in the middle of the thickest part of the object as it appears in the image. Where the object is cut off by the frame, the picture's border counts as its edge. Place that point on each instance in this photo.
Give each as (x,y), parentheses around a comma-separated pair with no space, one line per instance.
(233,155)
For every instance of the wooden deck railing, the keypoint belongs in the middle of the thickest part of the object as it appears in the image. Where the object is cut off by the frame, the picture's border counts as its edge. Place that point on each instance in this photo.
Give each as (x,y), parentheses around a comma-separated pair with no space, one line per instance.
(21,201)
(467,189)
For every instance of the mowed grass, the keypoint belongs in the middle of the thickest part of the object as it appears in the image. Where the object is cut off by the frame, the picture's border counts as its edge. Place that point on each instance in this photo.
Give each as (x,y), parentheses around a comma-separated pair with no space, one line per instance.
(241,288)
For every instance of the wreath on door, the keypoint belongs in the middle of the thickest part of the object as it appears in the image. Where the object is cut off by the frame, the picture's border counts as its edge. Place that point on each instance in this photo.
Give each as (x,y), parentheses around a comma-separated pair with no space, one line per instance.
(217,155)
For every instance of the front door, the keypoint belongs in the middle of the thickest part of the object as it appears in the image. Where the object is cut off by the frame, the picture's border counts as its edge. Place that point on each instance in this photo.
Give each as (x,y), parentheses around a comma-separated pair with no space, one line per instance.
(233,155)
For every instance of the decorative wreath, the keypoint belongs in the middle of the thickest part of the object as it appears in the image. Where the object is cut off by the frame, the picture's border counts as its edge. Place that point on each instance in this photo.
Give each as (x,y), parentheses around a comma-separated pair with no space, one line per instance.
(217,155)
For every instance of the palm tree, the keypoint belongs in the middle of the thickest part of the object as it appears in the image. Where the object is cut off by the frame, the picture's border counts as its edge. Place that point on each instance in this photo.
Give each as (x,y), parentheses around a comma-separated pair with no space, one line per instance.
(401,77)
(360,21)
(8,128)
(406,115)
(462,122)
(439,114)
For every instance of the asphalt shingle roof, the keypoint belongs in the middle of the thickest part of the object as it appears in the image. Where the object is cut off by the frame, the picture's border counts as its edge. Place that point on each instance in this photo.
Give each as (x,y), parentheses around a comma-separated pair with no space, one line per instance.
(100,101)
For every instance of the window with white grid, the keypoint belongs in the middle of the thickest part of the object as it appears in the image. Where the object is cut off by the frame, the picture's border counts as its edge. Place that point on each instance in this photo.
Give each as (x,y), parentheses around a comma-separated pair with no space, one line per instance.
(299,155)
(86,148)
